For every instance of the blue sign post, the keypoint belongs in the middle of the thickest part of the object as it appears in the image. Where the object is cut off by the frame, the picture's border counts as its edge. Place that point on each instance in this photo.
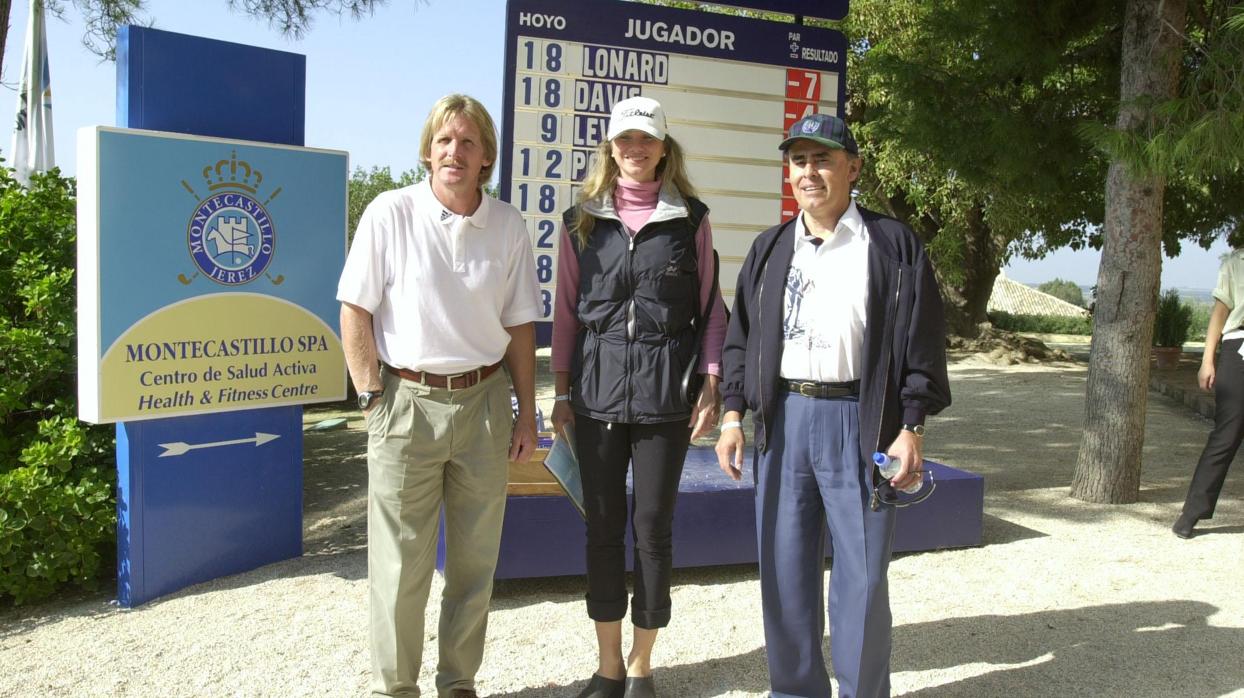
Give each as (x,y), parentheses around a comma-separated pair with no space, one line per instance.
(218,492)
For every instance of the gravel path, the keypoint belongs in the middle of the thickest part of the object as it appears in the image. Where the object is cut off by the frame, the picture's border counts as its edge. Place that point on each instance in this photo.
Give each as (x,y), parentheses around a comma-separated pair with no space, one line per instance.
(1063,599)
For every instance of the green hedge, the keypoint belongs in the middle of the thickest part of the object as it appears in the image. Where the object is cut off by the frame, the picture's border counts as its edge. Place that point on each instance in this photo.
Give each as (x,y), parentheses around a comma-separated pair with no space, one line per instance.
(1046,324)
(57,475)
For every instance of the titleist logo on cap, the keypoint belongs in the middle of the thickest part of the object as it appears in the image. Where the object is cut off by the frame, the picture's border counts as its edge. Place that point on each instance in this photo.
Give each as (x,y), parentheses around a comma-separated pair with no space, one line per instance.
(637,112)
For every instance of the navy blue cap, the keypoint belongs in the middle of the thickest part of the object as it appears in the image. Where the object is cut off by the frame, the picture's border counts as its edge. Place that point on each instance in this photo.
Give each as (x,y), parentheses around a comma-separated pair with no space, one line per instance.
(825,129)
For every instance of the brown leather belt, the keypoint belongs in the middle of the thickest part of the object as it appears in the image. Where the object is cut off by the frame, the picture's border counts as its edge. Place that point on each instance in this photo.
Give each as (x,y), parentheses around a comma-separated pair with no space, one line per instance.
(823,391)
(458,381)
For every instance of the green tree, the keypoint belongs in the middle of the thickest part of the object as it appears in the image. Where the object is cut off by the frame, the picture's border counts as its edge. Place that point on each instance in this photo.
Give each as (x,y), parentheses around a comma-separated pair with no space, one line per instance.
(1066,290)
(971,116)
(1180,125)
(967,112)
(365,185)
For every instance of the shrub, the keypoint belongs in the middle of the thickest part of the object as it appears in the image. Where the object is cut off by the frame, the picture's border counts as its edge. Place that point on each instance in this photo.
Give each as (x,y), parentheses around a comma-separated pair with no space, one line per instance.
(1199,312)
(57,510)
(1046,324)
(1172,321)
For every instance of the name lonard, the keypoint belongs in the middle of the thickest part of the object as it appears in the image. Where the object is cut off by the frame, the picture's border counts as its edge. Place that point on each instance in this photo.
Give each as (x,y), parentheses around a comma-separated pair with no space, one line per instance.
(223,348)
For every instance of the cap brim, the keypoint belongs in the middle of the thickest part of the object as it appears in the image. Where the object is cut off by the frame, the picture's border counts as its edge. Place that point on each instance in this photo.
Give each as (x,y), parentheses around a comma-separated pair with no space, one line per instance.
(786,144)
(644,127)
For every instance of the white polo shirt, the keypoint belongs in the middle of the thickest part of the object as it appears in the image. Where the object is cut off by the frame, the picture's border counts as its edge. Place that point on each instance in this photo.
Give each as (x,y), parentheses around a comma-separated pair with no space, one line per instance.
(826,303)
(441,287)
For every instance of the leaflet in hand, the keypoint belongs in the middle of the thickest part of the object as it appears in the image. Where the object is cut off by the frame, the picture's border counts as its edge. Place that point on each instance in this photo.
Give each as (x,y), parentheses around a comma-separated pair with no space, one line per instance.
(564,465)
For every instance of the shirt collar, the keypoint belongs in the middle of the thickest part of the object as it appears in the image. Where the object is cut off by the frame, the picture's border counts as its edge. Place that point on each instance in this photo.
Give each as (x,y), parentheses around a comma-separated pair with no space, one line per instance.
(479,219)
(850,226)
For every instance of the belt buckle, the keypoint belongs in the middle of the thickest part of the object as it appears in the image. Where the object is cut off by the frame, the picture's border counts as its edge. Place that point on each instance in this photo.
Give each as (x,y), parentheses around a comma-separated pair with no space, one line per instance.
(808,390)
(449,382)
(466,380)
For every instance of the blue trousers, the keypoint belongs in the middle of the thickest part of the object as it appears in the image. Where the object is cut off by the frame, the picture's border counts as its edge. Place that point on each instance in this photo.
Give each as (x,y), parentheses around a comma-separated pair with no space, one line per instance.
(811,475)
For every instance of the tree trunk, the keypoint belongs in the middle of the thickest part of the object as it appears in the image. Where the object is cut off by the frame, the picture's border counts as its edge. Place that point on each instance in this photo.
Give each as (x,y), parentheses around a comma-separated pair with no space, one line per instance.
(1108,466)
(967,301)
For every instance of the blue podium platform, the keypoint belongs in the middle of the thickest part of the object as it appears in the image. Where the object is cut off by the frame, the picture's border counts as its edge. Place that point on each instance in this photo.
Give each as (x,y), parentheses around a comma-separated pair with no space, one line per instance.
(715,522)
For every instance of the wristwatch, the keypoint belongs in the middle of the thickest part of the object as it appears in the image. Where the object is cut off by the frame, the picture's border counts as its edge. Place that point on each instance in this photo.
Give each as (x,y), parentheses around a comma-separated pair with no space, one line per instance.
(366,397)
(917,429)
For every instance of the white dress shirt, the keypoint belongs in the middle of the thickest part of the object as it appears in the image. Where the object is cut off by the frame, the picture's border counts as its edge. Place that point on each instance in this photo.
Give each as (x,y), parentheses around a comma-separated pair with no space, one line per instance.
(825,303)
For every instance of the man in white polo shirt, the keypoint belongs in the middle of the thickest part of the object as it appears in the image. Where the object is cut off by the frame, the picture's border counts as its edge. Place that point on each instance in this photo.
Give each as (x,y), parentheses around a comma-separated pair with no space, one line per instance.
(438,293)
(837,342)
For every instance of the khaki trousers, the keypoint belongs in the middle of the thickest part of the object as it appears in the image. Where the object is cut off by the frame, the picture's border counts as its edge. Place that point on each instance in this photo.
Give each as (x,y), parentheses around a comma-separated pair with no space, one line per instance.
(427,447)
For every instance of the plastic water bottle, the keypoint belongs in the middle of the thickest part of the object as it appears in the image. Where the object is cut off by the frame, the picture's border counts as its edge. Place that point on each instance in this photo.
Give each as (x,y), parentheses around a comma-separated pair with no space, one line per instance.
(889,467)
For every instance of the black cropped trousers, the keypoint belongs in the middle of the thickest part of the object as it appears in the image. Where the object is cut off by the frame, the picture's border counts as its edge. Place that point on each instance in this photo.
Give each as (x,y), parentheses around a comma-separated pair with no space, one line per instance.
(655,455)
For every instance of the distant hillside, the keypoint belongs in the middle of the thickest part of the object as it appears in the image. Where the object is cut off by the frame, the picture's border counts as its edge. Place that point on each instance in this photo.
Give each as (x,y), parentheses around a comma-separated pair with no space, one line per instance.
(1202,295)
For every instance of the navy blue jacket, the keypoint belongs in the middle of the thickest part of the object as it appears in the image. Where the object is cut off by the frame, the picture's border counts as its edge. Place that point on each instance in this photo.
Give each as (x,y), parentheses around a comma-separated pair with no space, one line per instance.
(904,353)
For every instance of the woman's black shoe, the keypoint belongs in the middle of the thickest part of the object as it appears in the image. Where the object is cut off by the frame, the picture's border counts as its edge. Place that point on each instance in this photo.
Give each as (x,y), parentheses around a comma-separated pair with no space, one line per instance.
(601,687)
(640,687)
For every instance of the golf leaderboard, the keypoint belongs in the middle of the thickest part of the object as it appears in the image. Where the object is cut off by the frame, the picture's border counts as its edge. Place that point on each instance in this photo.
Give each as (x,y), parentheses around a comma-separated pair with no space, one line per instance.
(731,86)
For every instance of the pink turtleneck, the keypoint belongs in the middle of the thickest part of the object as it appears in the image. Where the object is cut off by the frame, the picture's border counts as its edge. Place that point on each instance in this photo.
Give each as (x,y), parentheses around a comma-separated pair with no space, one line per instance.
(634,202)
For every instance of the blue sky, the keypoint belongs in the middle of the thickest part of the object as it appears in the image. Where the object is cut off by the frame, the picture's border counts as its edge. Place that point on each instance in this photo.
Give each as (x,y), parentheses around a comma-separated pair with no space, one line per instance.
(371,82)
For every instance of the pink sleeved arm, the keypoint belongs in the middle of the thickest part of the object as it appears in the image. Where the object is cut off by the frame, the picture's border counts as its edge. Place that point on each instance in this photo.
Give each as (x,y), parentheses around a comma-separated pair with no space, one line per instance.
(715,331)
(565,317)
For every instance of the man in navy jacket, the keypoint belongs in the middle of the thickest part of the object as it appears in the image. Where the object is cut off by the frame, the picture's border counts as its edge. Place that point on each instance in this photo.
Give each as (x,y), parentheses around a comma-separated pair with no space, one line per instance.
(837,342)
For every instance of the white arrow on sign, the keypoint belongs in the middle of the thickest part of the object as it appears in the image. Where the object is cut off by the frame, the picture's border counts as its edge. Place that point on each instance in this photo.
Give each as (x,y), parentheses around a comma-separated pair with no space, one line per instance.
(178,448)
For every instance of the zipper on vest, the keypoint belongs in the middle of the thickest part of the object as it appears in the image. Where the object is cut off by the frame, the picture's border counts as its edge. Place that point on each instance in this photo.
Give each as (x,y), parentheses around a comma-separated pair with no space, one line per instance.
(630,326)
(630,303)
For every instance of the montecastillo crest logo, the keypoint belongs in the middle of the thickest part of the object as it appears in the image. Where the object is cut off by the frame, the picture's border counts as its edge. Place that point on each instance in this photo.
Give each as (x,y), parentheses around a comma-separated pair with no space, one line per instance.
(230,236)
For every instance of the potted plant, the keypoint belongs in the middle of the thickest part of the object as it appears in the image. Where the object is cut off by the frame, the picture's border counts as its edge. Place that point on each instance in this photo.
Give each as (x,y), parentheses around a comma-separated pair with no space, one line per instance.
(1170,328)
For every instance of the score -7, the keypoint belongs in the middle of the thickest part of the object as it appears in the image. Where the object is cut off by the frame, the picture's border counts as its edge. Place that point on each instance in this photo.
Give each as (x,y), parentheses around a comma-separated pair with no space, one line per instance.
(803,84)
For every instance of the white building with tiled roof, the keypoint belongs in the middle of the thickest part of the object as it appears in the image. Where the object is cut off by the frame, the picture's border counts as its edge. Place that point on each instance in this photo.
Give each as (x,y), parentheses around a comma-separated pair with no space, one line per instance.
(1018,299)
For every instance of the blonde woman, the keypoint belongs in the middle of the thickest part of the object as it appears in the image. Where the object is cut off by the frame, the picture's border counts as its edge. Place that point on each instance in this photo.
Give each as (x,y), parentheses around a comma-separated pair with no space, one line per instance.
(635,274)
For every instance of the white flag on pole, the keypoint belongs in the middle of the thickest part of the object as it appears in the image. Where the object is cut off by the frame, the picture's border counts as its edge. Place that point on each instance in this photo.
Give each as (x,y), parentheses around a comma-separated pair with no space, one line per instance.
(32,135)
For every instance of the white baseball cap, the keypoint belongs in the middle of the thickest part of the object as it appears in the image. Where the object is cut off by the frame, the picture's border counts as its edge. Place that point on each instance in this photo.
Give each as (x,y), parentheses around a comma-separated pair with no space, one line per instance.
(638,113)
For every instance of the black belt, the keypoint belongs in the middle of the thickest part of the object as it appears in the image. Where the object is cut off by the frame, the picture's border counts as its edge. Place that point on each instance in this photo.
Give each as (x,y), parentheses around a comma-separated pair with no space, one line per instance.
(823,391)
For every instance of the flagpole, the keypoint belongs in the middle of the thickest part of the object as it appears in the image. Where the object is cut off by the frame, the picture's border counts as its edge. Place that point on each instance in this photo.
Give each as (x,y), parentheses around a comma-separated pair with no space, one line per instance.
(33,149)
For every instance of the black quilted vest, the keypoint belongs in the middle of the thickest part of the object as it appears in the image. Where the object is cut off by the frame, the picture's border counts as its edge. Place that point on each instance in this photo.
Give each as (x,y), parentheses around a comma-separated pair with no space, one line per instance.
(638,305)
